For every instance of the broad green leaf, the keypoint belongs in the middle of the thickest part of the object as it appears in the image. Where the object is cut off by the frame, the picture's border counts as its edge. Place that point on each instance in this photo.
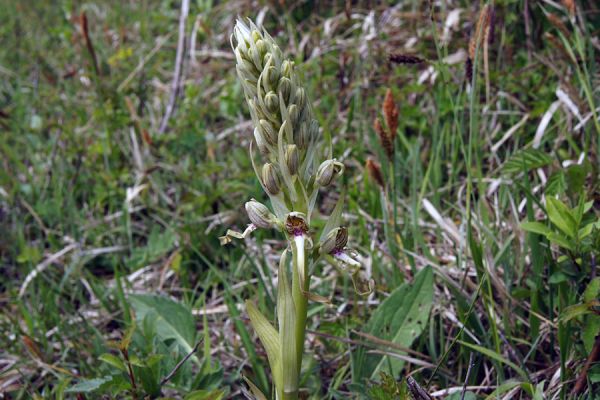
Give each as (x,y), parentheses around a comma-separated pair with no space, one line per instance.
(495,356)
(574,311)
(586,231)
(591,329)
(171,320)
(113,360)
(561,216)
(536,227)
(269,337)
(592,290)
(401,319)
(90,385)
(560,240)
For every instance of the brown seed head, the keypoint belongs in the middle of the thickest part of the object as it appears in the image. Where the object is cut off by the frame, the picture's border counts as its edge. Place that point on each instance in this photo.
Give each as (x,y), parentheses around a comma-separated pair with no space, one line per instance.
(481,31)
(406,59)
(390,112)
(384,138)
(374,170)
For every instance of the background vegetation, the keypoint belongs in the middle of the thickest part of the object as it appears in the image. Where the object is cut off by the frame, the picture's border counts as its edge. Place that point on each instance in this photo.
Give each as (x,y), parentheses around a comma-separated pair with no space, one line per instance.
(479,225)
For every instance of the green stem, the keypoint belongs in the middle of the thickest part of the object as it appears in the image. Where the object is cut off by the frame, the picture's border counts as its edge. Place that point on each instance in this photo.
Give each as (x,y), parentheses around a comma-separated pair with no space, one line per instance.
(299,289)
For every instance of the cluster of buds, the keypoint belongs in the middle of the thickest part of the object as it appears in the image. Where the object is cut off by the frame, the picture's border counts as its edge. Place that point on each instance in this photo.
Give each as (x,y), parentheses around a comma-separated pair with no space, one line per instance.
(285,131)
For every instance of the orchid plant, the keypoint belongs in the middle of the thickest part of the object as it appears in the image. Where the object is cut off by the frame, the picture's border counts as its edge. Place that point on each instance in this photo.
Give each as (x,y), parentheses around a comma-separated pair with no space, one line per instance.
(292,173)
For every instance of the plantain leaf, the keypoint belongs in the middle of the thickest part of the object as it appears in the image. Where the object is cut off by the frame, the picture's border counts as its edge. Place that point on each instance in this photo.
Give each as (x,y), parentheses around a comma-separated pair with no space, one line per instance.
(172,320)
(408,321)
(400,318)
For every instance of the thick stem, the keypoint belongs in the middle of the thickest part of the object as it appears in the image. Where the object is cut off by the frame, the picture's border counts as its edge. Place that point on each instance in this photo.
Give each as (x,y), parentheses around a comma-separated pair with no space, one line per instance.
(300,283)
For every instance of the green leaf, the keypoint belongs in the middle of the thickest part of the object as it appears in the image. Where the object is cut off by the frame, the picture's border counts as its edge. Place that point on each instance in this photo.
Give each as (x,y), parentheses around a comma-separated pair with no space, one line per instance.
(401,318)
(536,227)
(574,311)
(90,385)
(561,216)
(171,320)
(592,290)
(113,360)
(558,277)
(495,356)
(526,159)
(560,240)
(269,337)
(590,330)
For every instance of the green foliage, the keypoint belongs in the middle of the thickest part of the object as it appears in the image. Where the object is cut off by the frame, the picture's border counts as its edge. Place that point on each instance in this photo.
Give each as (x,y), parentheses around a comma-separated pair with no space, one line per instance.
(400,319)
(388,389)
(513,249)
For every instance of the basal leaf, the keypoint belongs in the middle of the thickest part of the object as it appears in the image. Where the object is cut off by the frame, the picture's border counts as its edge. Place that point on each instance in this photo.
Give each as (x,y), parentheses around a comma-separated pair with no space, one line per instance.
(171,320)
(400,319)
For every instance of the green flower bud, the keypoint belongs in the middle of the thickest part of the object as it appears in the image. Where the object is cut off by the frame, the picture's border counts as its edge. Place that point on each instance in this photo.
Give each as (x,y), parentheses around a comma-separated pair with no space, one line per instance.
(270,179)
(292,158)
(266,58)
(256,35)
(301,137)
(260,215)
(335,241)
(261,142)
(328,171)
(272,102)
(270,78)
(248,68)
(285,88)
(293,115)
(261,46)
(268,131)
(287,68)
(300,99)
